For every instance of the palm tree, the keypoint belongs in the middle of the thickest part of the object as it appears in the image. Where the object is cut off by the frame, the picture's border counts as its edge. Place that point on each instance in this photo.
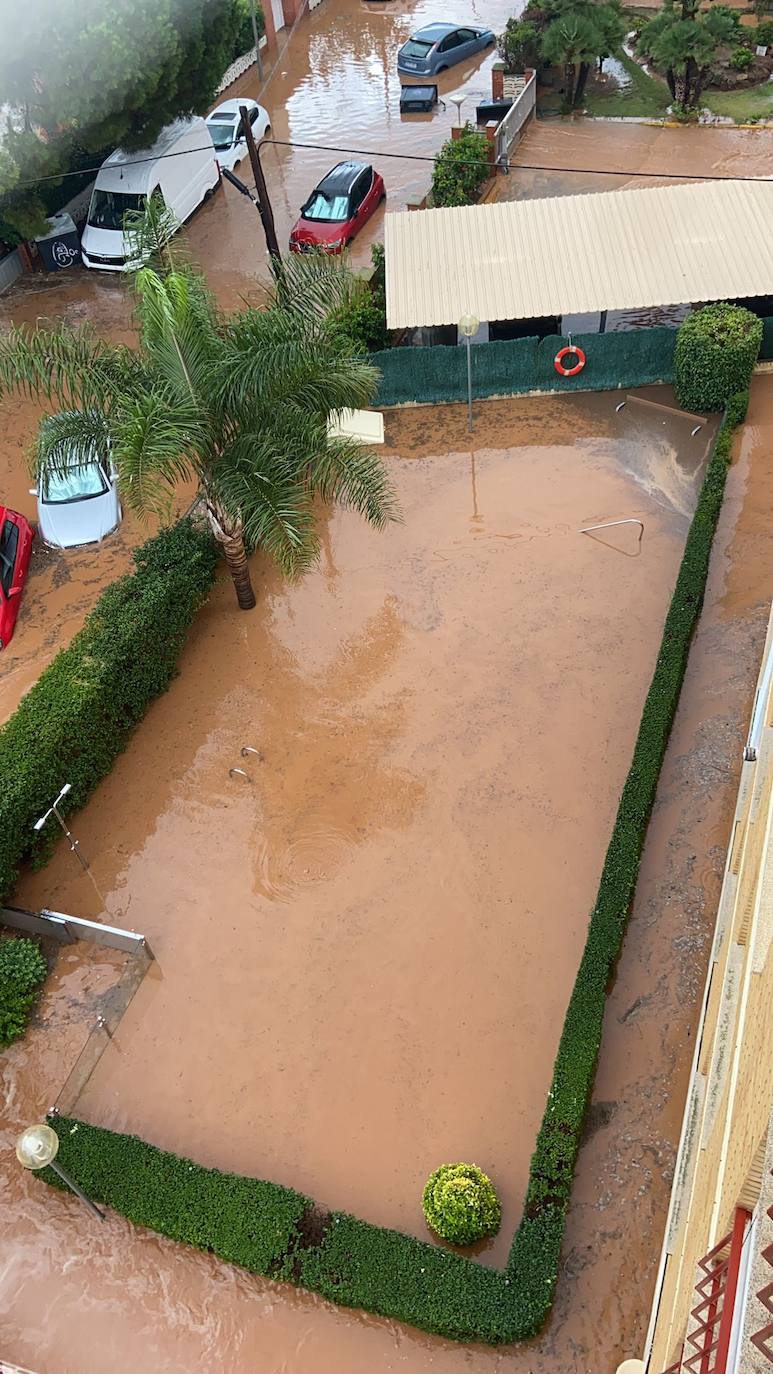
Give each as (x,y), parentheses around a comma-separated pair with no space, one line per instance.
(685,42)
(239,403)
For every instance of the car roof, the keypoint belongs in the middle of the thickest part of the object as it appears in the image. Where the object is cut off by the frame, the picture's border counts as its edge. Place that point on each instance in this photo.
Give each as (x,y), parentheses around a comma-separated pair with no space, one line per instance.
(340,178)
(434,32)
(232,107)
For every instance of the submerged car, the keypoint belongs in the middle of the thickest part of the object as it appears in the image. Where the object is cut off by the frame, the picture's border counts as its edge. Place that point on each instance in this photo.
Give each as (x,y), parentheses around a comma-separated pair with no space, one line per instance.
(438,46)
(225,126)
(77,490)
(16,535)
(337,208)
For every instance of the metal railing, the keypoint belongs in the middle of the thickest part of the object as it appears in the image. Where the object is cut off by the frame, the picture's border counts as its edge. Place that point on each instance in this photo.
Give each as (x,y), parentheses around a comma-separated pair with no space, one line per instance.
(508,129)
(762,1340)
(707,1343)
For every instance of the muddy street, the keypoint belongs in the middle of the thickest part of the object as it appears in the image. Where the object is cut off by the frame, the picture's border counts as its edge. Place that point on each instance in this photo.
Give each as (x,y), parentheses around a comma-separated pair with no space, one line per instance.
(400,721)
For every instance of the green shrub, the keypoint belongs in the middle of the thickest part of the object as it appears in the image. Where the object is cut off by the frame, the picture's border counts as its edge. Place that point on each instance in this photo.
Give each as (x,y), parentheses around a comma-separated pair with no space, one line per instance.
(519,45)
(460,1204)
(272,1230)
(461,167)
(73,723)
(245,37)
(363,321)
(763,34)
(716,349)
(741,59)
(22,970)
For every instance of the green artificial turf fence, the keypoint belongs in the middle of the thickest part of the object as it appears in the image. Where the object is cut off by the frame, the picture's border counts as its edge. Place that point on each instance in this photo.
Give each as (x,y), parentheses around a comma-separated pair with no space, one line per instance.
(73,723)
(274,1231)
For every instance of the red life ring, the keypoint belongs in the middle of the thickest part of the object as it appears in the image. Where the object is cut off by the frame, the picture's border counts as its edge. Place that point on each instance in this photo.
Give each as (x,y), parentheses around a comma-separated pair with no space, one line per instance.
(575,352)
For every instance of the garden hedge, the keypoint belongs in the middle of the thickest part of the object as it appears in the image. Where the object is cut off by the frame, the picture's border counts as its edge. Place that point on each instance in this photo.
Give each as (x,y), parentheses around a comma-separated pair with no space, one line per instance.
(77,718)
(277,1232)
(716,349)
(22,970)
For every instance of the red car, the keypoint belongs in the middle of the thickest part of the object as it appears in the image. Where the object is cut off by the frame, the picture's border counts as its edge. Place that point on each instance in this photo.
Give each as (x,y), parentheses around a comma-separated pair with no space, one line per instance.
(16,535)
(337,208)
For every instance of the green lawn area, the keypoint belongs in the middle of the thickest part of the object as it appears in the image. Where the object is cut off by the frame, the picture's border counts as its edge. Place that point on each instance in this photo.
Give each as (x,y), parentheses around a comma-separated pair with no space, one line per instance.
(754,103)
(643,97)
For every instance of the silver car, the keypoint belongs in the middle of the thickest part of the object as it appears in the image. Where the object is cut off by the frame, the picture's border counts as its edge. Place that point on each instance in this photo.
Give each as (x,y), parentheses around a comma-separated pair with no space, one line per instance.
(77,495)
(438,46)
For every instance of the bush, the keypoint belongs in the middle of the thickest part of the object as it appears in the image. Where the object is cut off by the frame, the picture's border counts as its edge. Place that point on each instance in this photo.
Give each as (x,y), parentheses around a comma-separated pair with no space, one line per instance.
(245,38)
(363,321)
(73,723)
(763,34)
(460,1204)
(741,59)
(461,167)
(22,970)
(716,349)
(273,1230)
(519,45)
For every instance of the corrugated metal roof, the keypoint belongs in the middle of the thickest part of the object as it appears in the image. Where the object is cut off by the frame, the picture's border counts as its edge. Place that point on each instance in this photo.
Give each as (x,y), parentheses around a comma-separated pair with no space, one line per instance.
(566,255)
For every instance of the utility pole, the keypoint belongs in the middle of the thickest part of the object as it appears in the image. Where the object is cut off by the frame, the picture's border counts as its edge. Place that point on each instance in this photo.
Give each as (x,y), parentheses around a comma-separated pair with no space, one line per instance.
(256,36)
(264,204)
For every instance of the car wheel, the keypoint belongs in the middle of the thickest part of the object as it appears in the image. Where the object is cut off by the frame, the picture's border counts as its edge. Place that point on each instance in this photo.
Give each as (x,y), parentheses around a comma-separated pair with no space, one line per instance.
(440,69)
(382,198)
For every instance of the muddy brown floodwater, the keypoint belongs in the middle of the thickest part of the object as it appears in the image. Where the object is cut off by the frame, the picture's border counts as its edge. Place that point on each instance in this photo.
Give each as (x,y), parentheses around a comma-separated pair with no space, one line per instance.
(364,955)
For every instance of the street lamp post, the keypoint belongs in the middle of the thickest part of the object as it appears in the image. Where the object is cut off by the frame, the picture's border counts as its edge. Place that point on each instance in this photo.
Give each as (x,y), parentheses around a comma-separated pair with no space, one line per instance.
(256,36)
(469,325)
(53,811)
(37,1148)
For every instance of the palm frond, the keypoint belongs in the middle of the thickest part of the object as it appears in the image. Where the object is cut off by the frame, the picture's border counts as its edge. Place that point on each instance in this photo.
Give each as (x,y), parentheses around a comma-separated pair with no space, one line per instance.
(255,479)
(148,233)
(71,438)
(178,322)
(313,285)
(346,472)
(72,367)
(158,443)
(277,359)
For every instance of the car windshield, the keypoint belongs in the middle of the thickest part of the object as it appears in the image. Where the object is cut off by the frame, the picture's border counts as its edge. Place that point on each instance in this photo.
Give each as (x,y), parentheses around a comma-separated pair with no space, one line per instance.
(416,47)
(326,207)
(108,208)
(222,129)
(73,484)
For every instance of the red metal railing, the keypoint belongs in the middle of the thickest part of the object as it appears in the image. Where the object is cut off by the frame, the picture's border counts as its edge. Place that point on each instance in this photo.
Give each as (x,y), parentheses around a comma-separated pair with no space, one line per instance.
(763,1339)
(707,1344)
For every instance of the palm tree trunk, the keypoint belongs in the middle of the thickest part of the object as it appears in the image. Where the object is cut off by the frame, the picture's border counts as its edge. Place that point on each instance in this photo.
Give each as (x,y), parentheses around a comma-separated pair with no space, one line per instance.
(569,72)
(229,534)
(671,82)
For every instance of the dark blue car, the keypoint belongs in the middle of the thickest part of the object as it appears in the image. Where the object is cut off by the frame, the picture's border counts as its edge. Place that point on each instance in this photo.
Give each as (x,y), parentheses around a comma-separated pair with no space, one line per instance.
(438,46)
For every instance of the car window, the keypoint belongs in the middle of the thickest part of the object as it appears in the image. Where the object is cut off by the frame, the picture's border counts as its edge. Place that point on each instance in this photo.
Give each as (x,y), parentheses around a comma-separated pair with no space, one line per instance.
(108,208)
(415,47)
(327,208)
(9,542)
(452,41)
(254,114)
(360,189)
(222,128)
(72,484)
(466,35)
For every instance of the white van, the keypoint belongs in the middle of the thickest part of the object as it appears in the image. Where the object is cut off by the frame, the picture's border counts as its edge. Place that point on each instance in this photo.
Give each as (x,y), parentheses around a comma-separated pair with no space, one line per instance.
(181,167)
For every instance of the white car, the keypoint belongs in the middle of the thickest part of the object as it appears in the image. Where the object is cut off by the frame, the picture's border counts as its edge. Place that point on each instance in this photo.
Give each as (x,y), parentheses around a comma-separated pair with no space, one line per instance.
(77,500)
(224,125)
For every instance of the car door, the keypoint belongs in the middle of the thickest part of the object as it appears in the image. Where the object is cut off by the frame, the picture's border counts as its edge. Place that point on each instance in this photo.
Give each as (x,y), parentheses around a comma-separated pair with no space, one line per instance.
(357,200)
(448,50)
(9,561)
(369,198)
(469,43)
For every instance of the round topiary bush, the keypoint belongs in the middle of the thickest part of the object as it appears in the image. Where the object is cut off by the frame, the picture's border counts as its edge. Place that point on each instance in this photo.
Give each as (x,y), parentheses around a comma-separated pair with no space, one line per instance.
(716,349)
(460,1204)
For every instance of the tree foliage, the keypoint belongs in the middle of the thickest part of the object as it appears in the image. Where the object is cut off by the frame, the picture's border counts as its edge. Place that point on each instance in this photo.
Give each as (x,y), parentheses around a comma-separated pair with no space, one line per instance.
(238,404)
(22,970)
(684,42)
(572,34)
(80,78)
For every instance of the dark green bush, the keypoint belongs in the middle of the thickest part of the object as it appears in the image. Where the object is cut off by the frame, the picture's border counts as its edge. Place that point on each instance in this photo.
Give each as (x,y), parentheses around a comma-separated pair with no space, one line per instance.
(22,970)
(460,1204)
(461,167)
(273,1230)
(716,349)
(73,723)
(363,321)
(763,34)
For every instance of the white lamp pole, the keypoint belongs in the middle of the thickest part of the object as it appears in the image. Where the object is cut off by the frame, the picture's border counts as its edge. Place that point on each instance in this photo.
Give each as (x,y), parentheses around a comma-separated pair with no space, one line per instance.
(469,325)
(37,1148)
(53,811)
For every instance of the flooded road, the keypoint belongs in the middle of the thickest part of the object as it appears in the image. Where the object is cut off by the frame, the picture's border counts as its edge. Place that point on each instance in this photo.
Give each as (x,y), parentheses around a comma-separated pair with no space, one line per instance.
(329,990)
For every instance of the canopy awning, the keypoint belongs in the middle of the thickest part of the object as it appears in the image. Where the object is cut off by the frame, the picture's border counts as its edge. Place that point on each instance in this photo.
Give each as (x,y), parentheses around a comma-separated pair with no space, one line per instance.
(567,255)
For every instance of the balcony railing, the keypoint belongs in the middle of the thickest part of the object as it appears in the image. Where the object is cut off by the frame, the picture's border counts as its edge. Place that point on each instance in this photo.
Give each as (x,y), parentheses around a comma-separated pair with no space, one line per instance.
(707,1343)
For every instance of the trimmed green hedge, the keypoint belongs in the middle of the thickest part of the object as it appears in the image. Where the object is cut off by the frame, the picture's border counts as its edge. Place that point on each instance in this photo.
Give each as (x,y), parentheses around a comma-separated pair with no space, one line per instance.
(22,970)
(716,349)
(274,1231)
(77,718)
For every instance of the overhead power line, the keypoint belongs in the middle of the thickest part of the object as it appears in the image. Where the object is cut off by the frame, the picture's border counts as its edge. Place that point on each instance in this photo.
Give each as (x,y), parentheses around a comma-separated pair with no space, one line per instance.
(411,157)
